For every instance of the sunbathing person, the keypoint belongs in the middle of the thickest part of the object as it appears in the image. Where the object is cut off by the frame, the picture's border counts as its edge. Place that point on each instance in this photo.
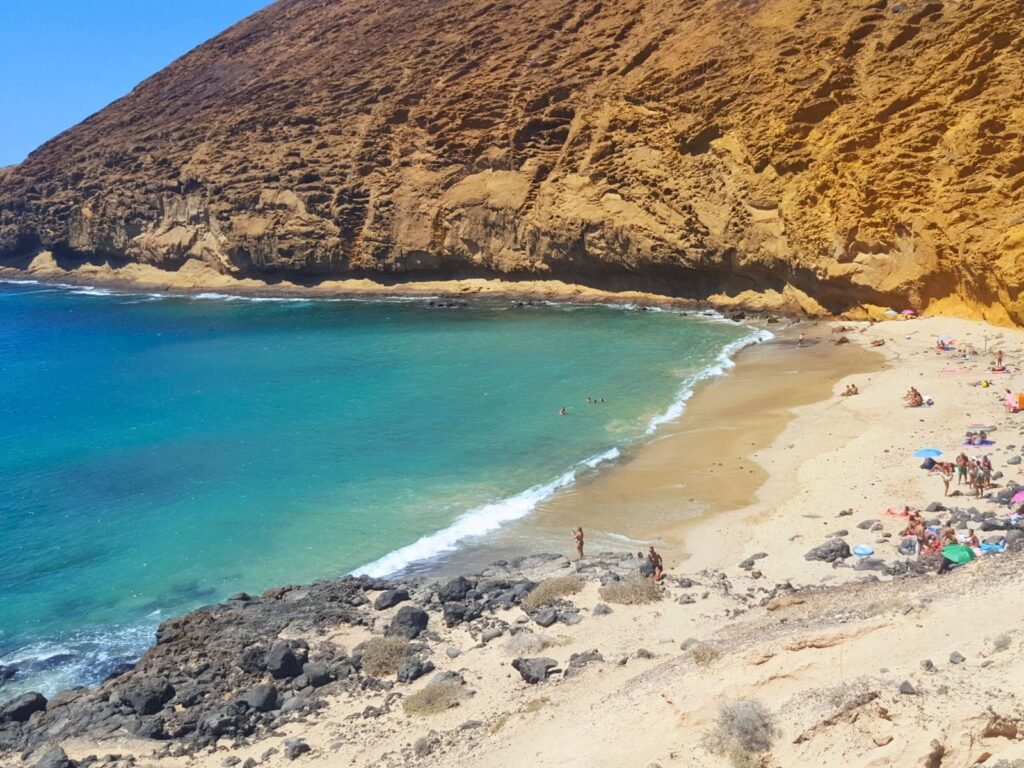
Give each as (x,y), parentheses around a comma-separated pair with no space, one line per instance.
(913,398)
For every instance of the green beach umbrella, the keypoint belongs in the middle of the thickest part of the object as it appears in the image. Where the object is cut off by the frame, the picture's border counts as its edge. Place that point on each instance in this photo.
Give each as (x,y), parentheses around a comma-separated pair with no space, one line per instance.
(958,553)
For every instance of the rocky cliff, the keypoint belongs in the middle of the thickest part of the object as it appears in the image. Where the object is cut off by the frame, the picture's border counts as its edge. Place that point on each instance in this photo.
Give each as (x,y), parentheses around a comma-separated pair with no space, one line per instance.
(862,153)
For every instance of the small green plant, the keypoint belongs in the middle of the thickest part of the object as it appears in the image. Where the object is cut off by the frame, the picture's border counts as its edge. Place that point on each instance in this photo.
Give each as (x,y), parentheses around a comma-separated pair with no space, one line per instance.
(632,591)
(550,590)
(745,729)
(383,655)
(434,698)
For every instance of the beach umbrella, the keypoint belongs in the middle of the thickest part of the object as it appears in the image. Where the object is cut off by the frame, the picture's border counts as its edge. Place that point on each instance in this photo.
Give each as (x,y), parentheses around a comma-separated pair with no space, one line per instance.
(1017,497)
(945,338)
(958,553)
(891,312)
(927,453)
(980,428)
(863,550)
(908,312)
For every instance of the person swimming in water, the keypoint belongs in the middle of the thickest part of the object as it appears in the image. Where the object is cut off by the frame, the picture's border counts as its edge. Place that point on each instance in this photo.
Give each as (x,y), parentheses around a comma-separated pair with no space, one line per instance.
(563,412)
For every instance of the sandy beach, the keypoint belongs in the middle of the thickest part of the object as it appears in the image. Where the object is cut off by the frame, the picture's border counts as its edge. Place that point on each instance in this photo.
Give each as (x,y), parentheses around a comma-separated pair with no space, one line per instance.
(856,667)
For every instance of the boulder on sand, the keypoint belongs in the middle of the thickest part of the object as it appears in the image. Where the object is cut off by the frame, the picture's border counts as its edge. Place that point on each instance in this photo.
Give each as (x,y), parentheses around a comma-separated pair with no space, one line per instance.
(534,671)
(282,661)
(408,622)
(389,598)
(262,698)
(454,590)
(54,757)
(830,551)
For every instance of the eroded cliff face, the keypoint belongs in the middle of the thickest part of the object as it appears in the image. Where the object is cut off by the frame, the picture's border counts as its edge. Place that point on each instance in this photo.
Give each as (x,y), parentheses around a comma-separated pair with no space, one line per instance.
(858,152)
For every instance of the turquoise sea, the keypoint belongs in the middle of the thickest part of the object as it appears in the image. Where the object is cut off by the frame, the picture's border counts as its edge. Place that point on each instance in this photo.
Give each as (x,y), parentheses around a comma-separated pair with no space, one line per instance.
(158,453)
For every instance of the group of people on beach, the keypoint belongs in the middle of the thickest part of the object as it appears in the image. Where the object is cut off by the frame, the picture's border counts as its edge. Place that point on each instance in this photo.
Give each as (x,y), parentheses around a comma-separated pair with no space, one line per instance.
(652,566)
(973,471)
(914,399)
(919,538)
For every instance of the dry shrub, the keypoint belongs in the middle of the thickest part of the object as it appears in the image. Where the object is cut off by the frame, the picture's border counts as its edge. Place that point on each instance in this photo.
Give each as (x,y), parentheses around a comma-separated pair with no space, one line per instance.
(535,704)
(383,655)
(703,654)
(499,723)
(550,590)
(433,698)
(1001,643)
(632,591)
(528,644)
(744,730)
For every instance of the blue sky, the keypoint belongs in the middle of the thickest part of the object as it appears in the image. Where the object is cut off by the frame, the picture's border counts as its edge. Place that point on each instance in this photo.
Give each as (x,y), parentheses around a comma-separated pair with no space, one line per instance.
(63,60)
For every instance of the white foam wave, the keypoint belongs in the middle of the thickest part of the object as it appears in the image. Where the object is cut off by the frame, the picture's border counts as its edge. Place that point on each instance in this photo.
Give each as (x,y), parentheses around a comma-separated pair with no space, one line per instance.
(83,657)
(723,362)
(480,521)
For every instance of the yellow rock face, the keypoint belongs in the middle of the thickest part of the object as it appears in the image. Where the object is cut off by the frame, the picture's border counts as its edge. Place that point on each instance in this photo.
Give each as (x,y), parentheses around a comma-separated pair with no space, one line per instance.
(823,155)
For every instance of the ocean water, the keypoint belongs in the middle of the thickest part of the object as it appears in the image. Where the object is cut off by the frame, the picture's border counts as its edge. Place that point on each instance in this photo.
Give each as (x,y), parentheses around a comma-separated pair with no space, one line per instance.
(159,453)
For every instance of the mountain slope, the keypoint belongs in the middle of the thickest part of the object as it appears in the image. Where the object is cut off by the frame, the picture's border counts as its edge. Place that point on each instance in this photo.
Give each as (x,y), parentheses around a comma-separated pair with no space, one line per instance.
(862,153)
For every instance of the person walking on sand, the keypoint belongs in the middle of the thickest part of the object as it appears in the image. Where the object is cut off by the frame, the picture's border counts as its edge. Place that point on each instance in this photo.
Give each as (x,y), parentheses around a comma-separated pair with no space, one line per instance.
(800,341)
(577,536)
(961,468)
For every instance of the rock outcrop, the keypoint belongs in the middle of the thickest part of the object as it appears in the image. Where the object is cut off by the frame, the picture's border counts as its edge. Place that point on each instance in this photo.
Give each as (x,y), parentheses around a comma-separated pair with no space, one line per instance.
(814,153)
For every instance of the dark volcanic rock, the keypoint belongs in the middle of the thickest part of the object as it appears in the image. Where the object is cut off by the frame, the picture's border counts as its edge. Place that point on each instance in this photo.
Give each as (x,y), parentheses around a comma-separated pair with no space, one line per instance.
(456,589)
(408,622)
(316,673)
(293,748)
(54,757)
(262,698)
(390,598)
(830,551)
(282,661)
(545,617)
(21,708)
(413,669)
(149,696)
(534,671)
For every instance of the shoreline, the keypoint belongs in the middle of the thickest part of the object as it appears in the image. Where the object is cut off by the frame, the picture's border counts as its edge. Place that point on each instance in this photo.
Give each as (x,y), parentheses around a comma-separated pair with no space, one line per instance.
(195,277)
(455,558)
(844,652)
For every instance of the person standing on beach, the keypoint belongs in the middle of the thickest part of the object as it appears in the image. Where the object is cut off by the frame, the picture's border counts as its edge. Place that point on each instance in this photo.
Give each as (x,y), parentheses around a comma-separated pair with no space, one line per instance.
(577,536)
(800,341)
(961,468)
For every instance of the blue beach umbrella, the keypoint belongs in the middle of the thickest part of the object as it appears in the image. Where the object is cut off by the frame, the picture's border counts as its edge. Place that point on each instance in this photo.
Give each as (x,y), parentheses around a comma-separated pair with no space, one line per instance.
(927,453)
(891,312)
